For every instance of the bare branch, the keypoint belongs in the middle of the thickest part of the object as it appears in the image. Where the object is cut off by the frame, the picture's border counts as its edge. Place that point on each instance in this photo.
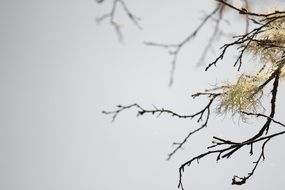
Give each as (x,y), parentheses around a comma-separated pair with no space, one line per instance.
(246,12)
(232,97)
(200,114)
(174,49)
(142,111)
(111,15)
(265,116)
(242,180)
(180,144)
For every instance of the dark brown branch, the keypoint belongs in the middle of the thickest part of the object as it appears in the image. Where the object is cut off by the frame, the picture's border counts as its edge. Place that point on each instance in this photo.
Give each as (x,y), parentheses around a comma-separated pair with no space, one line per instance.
(207,108)
(275,74)
(273,105)
(266,126)
(246,12)
(174,49)
(222,148)
(200,114)
(142,111)
(242,180)
(244,40)
(180,144)
(265,116)
(197,158)
(232,147)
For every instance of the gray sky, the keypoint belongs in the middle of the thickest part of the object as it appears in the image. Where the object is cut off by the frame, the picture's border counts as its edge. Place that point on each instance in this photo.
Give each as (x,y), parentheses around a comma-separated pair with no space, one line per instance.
(59,70)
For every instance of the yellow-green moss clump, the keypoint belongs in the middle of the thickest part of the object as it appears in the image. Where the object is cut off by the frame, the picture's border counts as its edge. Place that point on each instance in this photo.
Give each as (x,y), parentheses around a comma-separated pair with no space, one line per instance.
(242,96)
(268,48)
(269,45)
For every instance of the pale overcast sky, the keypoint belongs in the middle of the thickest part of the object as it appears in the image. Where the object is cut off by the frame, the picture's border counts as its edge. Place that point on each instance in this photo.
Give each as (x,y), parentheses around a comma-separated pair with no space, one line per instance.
(59,70)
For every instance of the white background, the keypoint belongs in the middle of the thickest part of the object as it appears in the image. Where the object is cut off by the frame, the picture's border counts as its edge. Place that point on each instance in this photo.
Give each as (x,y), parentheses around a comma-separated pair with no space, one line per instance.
(59,70)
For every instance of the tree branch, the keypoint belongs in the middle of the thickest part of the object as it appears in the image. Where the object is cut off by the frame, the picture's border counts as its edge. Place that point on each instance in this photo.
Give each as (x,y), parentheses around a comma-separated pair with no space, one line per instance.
(111,15)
